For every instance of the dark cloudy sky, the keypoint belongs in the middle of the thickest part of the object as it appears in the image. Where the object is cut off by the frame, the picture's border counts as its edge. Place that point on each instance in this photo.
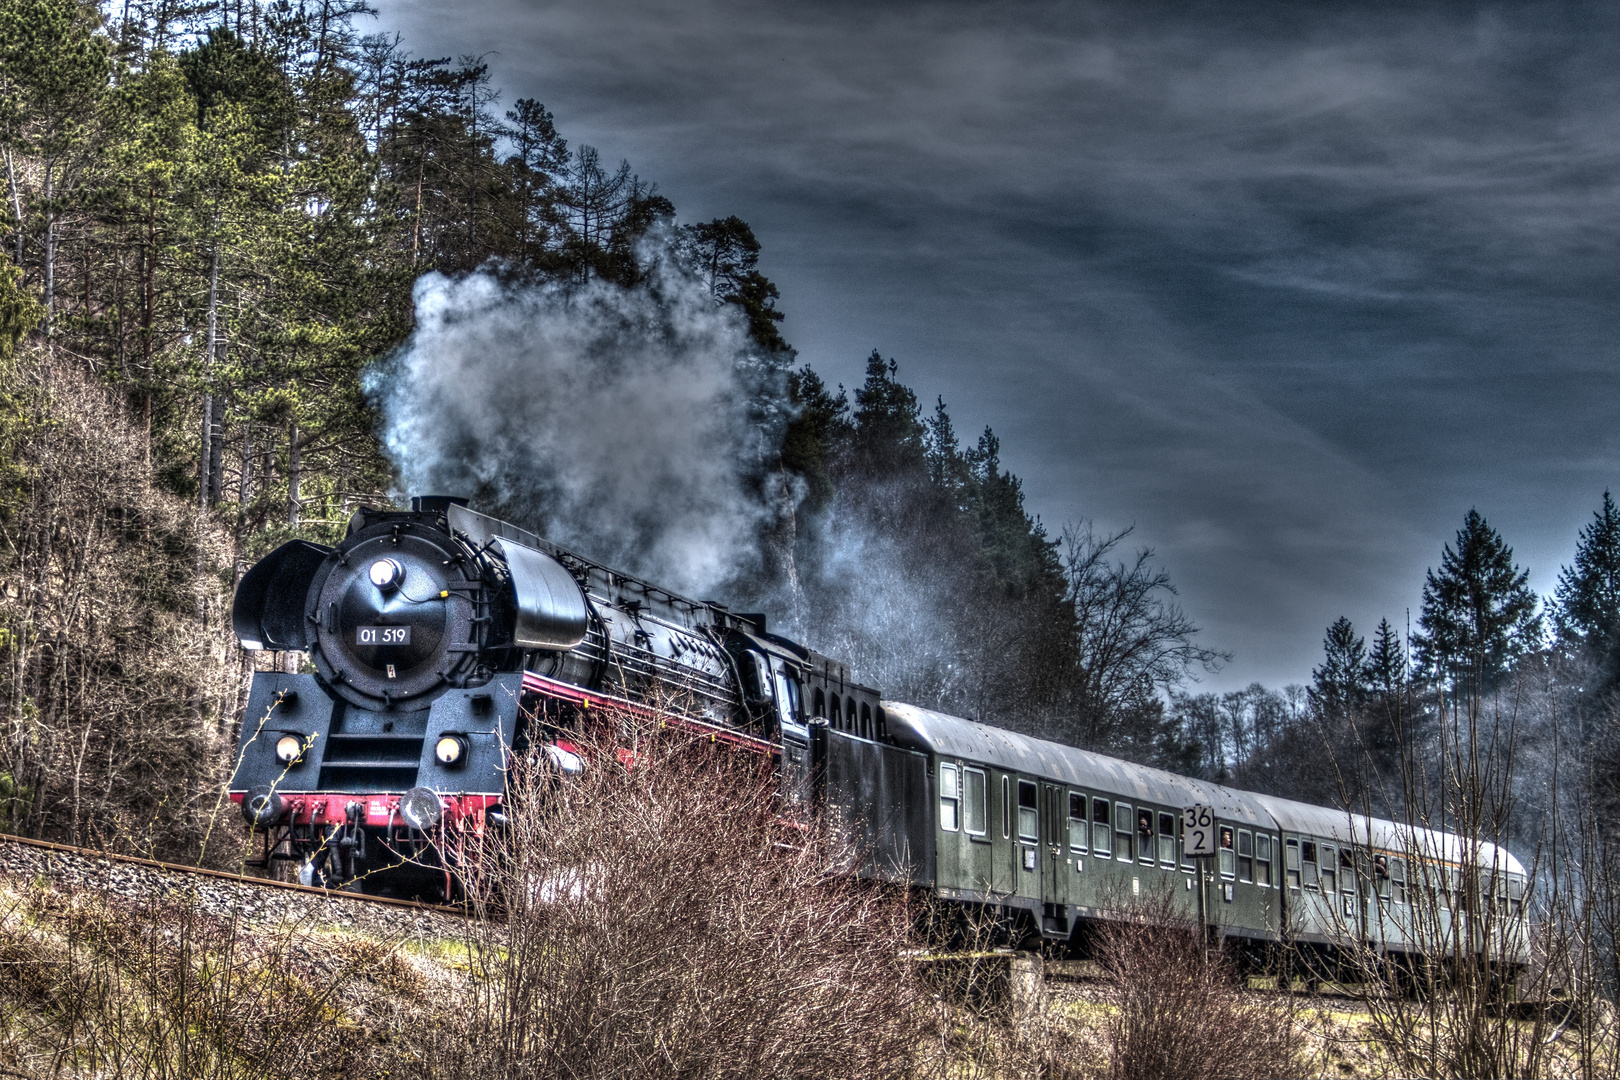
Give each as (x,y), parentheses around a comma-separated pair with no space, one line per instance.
(1287,286)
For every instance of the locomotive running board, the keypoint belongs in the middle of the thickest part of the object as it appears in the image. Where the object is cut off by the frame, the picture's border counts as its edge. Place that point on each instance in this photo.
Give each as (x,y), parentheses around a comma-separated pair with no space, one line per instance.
(535,683)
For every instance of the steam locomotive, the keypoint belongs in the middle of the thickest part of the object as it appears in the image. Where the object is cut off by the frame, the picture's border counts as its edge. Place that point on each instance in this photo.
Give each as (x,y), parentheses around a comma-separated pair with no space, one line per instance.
(443,640)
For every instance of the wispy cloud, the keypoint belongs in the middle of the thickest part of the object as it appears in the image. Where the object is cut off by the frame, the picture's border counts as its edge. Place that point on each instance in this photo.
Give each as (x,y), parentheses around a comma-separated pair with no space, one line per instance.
(1291,287)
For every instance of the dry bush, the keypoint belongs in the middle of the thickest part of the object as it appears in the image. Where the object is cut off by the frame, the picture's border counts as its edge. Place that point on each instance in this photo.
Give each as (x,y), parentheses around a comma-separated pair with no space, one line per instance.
(118,673)
(660,921)
(163,989)
(1181,1012)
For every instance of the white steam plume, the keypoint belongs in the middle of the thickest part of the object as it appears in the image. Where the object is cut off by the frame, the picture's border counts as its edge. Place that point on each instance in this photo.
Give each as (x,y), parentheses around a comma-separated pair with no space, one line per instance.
(630,424)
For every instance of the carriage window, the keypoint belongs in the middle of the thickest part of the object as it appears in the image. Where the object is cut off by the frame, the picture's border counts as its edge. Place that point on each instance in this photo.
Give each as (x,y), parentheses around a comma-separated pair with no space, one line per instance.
(1397,876)
(1262,859)
(1347,871)
(1225,851)
(949,798)
(1330,870)
(1077,821)
(978,817)
(1006,808)
(1381,873)
(1291,863)
(1144,834)
(1028,812)
(1167,839)
(1245,855)
(1099,827)
(1122,831)
(1307,857)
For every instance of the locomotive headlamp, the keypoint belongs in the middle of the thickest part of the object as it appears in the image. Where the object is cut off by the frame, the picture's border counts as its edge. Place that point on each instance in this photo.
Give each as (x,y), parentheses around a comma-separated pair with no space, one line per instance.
(386,574)
(450,750)
(289,748)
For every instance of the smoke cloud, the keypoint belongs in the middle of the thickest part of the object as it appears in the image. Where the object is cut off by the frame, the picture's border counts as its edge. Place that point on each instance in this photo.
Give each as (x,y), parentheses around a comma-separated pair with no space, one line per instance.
(629,423)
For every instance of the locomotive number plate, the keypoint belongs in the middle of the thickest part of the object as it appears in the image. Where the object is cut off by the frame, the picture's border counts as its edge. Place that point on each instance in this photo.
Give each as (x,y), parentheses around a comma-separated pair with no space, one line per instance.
(383,635)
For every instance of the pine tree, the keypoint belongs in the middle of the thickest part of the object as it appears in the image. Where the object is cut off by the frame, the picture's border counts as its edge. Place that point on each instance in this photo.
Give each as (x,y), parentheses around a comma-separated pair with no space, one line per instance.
(1385,670)
(1479,615)
(1338,687)
(1586,611)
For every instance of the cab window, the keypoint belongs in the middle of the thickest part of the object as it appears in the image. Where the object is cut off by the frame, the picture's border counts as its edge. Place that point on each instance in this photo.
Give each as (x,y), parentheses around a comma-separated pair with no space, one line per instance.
(787,697)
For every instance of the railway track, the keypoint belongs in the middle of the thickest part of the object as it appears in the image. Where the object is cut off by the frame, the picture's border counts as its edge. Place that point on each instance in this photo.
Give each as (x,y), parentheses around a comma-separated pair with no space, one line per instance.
(92,858)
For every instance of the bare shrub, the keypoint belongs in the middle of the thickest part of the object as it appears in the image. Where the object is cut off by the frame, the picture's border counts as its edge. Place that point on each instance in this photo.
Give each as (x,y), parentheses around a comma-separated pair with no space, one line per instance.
(163,989)
(1438,1004)
(1181,1012)
(661,921)
(118,672)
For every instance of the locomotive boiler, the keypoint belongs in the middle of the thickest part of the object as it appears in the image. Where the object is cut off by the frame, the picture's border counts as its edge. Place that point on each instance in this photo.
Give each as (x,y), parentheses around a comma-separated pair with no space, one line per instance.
(440,641)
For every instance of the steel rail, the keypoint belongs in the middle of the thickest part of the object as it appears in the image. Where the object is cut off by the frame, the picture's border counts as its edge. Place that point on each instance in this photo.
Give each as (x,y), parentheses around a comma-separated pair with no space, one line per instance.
(453,910)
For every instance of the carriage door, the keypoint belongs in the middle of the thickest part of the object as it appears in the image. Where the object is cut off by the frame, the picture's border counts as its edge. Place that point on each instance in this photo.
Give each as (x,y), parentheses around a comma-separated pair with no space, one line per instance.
(1055,843)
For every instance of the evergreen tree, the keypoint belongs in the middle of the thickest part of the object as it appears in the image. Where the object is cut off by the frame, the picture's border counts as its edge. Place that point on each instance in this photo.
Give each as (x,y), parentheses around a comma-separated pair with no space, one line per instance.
(1384,673)
(726,253)
(1586,611)
(1479,615)
(538,163)
(1338,686)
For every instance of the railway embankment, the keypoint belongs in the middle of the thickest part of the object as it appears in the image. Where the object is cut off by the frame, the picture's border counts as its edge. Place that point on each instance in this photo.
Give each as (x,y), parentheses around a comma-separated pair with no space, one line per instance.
(111,967)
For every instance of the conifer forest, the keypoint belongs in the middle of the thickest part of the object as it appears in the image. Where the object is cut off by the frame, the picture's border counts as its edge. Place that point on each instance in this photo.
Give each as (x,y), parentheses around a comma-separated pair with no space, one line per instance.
(238,249)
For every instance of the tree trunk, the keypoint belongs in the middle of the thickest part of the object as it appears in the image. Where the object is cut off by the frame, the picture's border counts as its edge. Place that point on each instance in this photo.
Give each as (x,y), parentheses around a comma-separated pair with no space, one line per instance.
(148,316)
(16,202)
(294,452)
(416,227)
(207,484)
(245,486)
(50,251)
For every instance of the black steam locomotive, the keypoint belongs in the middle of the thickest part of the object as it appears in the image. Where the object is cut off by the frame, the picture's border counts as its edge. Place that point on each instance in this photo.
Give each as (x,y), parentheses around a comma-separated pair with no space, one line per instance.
(443,640)
(440,640)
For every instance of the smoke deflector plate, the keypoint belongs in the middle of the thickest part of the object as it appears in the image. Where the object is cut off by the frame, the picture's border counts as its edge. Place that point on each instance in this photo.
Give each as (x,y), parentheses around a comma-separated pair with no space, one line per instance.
(551,608)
